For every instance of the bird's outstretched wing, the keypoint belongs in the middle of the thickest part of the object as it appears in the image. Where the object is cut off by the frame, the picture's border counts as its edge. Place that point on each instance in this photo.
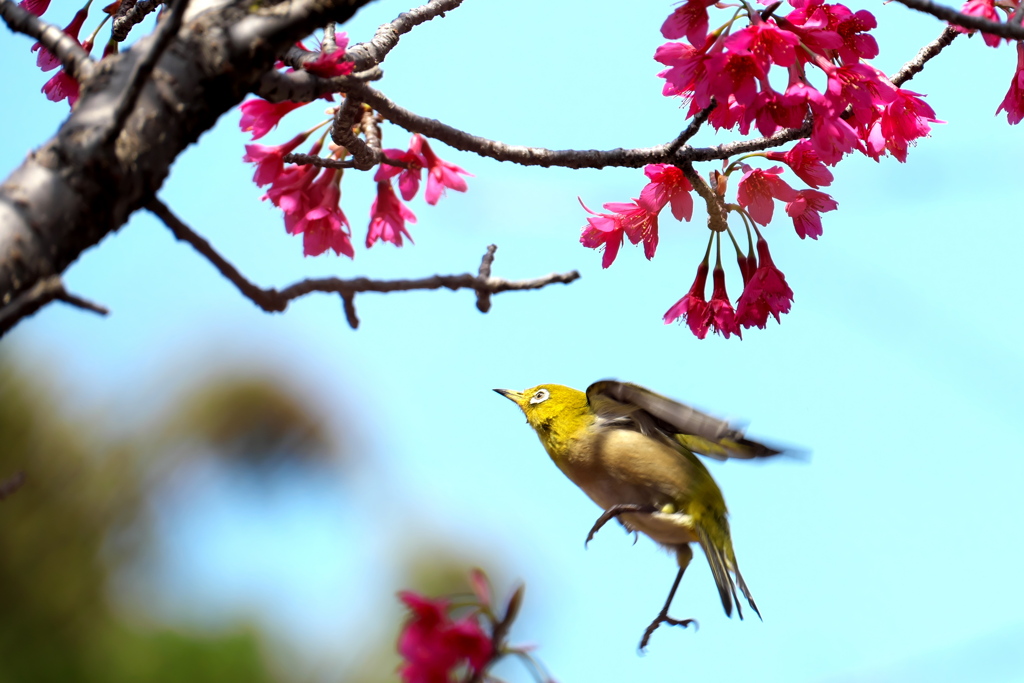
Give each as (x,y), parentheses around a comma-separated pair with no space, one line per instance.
(655,414)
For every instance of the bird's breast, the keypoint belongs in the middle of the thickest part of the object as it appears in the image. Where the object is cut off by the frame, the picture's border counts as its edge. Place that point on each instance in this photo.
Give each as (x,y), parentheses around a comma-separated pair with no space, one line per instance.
(624,467)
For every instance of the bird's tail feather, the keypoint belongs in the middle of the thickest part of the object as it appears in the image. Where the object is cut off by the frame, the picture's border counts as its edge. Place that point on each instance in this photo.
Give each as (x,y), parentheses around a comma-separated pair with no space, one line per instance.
(713,534)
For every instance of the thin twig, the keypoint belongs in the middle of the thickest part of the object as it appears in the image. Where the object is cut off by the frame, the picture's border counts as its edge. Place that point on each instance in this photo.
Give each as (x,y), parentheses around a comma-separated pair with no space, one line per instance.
(315,160)
(278,87)
(483,298)
(372,53)
(1010,31)
(165,32)
(76,61)
(346,117)
(11,484)
(276,301)
(692,129)
(916,65)
(131,14)
(43,292)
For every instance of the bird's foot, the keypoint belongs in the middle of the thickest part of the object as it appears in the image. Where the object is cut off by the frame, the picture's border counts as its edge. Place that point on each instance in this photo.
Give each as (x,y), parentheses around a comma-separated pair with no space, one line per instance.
(664,618)
(613,512)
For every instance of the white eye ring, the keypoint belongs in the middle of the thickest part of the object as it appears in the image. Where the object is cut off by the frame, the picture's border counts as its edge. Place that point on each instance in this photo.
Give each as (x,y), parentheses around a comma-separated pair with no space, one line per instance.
(541,396)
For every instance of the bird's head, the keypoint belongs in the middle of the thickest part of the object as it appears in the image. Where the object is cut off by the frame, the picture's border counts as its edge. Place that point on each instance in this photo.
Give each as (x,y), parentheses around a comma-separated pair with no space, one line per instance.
(546,403)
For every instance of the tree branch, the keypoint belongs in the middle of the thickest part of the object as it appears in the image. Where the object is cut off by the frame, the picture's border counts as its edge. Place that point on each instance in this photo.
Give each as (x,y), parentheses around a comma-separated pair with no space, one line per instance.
(165,32)
(130,14)
(717,220)
(373,52)
(1010,31)
(276,301)
(66,49)
(916,65)
(43,292)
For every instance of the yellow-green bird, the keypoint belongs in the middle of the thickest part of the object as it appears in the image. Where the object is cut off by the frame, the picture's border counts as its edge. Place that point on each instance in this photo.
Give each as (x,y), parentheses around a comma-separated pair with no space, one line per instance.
(632,451)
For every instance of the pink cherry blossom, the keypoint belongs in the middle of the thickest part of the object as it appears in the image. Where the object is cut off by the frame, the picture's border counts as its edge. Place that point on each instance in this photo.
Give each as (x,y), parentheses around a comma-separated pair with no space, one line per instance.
(269,160)
(46,60)
(409,177)
(289,187)
(804,161)
(735,73)
(1013,103)
(766,293)
(857,43)
(813,23)
(603,230)
(772,111)
(61,86)
(986,9)
(767,42)
(432,645)
(686,75)
(36,7)
(260,116)
(693,308)
(832,137)
(722,315)
(639,224)
(324,225)
(668,186)
(330,64)
(690,19)
(904,120)
(388,216)
(757,190)
(805,211)
(440,174)
(858,85)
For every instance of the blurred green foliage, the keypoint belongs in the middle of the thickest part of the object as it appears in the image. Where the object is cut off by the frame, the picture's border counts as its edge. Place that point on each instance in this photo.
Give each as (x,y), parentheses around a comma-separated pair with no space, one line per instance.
(80,492)
(80,516)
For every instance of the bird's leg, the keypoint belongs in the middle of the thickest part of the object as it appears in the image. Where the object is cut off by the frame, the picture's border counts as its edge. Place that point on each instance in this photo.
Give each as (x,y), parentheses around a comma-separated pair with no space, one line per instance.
(615,511)
(684,554)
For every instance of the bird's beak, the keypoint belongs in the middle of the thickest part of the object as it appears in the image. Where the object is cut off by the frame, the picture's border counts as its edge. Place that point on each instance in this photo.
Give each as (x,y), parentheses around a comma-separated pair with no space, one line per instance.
(513,396)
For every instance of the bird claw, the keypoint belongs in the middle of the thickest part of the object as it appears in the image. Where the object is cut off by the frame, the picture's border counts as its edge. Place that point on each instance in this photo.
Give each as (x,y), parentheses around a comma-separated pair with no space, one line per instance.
(665,619)
(613,512)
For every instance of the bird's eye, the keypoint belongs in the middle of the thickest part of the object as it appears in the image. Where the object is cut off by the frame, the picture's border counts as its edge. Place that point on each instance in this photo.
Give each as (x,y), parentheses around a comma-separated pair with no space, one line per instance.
(541,396)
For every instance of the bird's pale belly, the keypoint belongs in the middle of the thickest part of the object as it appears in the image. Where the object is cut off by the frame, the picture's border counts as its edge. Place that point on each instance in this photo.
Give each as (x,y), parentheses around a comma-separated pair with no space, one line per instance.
(666,528)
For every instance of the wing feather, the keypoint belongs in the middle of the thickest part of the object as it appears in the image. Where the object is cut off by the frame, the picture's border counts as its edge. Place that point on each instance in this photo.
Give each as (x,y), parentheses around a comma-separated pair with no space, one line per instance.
(677,423)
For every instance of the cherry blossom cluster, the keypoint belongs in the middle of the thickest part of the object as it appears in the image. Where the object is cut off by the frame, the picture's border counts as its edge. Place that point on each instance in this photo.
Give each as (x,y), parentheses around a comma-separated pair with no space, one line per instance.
(1013,103)
(437,648)
(761,75)
(310,195)
(62,86)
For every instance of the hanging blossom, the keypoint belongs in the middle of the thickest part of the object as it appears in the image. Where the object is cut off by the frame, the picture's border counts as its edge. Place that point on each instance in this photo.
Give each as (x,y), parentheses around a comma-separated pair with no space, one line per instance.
(333,63)
(309,197)
(733,65)
(259,116)
(438,647)
(1013,103)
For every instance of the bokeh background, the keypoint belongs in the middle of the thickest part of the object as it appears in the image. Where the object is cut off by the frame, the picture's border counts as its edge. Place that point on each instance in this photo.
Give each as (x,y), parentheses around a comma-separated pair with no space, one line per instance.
(215,493)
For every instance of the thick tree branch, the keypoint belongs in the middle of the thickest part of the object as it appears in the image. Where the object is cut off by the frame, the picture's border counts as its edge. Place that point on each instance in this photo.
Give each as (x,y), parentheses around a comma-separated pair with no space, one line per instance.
(165,32)
(1010,31)
(71,192)
(66,49)
(276,301)
(42,293)
(373,52)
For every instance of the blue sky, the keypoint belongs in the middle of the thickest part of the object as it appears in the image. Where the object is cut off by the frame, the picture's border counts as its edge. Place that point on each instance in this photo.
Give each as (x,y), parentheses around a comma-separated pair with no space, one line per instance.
(890,555)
